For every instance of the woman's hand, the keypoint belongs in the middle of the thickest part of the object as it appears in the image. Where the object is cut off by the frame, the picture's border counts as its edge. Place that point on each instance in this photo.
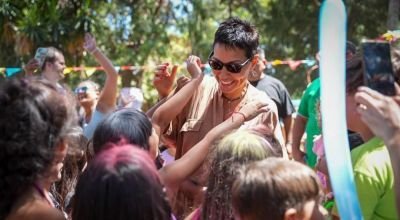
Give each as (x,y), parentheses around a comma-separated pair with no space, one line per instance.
(31,66)
(90,43)
(252,109)
(164,80)
(193,64)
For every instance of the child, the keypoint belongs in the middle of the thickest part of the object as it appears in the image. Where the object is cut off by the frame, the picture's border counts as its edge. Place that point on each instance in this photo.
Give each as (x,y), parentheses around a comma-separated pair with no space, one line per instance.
(275,188)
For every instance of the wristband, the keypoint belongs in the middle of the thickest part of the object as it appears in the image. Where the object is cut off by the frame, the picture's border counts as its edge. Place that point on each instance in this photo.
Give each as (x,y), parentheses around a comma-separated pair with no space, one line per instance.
(240,113)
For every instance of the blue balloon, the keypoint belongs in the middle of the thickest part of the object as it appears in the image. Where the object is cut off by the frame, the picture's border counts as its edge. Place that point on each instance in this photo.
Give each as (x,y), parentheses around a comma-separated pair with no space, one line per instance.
(332,44)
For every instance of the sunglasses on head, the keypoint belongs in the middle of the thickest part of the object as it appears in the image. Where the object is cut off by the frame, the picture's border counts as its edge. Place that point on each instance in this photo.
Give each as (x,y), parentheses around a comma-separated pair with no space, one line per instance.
(81,90)
(232,67)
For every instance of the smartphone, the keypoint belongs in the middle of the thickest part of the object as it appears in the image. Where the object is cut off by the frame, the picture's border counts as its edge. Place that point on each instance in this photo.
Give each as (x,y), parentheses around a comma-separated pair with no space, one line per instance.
(378,70)
(40,55)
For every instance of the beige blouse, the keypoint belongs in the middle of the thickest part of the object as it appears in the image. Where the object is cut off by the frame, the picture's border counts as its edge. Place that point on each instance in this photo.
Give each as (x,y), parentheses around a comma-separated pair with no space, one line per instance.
(205,111)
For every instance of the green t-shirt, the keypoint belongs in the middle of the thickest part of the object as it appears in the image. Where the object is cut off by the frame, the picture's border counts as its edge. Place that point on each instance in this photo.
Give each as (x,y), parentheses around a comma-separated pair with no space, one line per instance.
(374,180)
(308,109)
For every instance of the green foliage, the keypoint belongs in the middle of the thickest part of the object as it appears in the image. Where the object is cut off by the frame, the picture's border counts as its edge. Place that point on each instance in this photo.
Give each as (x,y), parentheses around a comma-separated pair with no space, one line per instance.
(149,32)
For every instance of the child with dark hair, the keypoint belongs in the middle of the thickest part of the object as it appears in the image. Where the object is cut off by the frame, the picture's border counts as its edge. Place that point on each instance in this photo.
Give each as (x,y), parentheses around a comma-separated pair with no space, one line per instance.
(277,189)
(35,124)
(121,183)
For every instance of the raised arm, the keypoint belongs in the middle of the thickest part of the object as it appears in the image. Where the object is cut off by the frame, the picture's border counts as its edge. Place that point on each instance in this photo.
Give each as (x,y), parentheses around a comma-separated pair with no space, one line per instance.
(108,96)
(176,172)
(166,112)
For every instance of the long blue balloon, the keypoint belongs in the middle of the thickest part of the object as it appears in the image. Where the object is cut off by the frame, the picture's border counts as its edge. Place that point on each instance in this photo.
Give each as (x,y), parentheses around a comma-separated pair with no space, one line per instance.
(332,43)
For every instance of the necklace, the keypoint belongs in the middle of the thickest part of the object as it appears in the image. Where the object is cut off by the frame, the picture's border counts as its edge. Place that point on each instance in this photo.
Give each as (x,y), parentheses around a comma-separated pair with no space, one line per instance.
(231,101)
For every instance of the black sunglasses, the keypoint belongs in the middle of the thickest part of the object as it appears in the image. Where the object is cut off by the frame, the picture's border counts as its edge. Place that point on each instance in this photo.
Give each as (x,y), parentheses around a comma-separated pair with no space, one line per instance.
(81,90)
(231,66)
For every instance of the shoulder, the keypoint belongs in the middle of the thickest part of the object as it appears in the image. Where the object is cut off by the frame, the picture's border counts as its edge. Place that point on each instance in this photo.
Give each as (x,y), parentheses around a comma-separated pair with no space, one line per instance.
(36,210)
(273,80)
(372,159)
(257,95)
(313,87)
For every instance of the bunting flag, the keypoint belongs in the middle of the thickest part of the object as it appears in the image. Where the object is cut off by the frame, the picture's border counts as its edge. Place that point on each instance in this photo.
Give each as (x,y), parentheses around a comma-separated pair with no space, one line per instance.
(390,36)
(293,64)
(12,71)
(90,70)
(67,70)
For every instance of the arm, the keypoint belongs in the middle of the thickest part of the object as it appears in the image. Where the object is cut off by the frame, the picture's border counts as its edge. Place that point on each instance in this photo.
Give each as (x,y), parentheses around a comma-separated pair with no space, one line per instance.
(173,174)
(299,126)
(107,99)
(394,152)
(166,112)
(297,133)
(288,122)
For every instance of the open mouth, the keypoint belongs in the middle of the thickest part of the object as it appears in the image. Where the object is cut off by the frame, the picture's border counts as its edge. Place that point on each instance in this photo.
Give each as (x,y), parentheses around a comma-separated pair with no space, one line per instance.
(227,83)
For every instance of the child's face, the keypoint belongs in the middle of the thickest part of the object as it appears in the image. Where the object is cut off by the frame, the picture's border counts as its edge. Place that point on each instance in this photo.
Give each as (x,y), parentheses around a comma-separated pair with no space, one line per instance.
(312,210)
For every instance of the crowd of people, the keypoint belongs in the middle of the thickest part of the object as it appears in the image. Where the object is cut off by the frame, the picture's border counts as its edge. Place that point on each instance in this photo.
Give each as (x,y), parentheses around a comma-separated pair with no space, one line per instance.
(220,146)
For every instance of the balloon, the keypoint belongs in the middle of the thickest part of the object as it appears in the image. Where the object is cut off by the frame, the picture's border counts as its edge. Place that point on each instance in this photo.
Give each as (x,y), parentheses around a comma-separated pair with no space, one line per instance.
(332,43)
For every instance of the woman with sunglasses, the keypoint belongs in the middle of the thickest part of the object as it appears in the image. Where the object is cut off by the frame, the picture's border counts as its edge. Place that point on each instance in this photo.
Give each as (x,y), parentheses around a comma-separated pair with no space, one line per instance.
(216,99)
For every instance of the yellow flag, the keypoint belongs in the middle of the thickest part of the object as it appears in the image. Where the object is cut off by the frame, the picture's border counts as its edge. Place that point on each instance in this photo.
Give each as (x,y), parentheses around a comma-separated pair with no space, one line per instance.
(90,70)
(277,62)
(67,70)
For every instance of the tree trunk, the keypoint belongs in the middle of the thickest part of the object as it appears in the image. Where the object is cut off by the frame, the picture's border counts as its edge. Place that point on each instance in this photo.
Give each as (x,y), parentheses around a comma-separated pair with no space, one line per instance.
(393,14)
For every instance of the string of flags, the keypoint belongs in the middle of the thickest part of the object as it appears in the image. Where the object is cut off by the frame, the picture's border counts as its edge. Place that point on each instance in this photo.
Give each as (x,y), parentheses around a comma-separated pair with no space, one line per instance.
(390,36)
(10,71)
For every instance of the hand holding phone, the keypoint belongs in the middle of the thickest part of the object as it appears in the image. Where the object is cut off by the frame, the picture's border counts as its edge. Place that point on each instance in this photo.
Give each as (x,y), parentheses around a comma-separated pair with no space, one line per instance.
(40,55)
(378,70)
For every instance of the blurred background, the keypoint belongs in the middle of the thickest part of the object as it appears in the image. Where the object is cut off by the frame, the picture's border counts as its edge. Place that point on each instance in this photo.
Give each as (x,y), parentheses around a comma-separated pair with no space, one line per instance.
(143,33)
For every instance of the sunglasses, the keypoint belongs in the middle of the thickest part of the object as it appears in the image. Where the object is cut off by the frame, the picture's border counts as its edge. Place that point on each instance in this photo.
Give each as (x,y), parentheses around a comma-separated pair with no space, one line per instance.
(231,66)
(81,90)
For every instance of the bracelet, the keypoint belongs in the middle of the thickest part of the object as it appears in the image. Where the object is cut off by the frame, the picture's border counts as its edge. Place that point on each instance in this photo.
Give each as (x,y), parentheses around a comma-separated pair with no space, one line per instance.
(240,113)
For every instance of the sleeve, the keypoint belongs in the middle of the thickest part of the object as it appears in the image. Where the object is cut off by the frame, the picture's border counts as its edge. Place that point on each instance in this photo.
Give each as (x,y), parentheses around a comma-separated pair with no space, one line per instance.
(88,130)
(303,107)
(171,134)
(287,105)
(271,121)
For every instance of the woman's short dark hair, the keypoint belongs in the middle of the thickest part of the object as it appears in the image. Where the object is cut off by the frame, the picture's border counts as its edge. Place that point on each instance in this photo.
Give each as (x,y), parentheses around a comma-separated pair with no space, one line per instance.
(126,124)
(237,33)
(34,119)
(120,183)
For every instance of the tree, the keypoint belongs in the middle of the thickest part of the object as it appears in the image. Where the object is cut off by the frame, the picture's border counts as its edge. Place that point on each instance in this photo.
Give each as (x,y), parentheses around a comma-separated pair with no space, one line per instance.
(144,33)
(393,14)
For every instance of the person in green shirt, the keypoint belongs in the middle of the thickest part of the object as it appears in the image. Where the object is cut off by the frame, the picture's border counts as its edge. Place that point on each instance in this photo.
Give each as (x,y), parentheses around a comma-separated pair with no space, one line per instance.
(307,119)
(373,173)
